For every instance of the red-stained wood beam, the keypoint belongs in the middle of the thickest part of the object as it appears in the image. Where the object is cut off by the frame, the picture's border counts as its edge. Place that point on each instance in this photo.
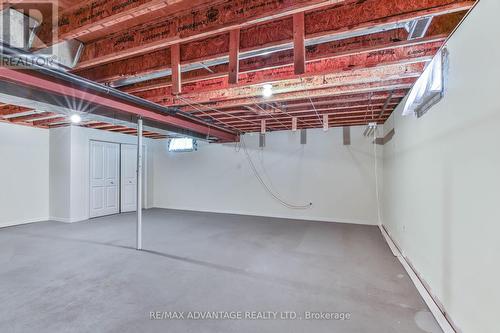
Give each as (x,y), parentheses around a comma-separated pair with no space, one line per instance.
(175,55)
(353,16)
(299,48)
(234,58)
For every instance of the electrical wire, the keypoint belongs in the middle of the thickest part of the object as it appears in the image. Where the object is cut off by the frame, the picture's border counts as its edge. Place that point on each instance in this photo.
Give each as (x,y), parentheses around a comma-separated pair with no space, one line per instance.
(275,195)
(317,114)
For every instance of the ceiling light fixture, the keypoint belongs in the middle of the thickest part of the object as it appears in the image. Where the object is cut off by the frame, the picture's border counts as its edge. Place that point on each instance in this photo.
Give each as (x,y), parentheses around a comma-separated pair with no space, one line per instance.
(267,90)
(75,118)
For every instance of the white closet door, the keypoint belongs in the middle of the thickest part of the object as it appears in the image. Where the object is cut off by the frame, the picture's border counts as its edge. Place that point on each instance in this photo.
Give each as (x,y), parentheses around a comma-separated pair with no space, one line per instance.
(104,178)
(128,178)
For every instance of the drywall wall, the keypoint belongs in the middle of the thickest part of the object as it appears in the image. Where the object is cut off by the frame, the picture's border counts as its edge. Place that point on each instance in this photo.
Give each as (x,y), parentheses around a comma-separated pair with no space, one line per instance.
(60,173)
(339,180)
(24,174)
(442,184)
(70,163)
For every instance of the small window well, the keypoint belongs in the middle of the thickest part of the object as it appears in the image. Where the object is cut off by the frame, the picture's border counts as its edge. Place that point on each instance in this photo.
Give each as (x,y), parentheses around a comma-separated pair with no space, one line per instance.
(182,145)
(429,88)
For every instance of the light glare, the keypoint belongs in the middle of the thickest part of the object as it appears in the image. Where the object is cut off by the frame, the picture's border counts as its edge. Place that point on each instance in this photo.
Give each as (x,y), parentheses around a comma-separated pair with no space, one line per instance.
(267,90)
(76,119)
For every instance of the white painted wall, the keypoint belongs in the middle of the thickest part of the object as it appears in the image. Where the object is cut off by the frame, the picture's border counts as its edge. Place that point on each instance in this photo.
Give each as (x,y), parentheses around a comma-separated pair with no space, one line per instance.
(442,182)
(24,174)
(60,173)
(337,179)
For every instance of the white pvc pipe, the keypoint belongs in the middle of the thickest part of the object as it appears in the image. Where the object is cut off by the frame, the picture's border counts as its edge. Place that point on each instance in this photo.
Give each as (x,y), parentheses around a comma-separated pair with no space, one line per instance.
(139,184)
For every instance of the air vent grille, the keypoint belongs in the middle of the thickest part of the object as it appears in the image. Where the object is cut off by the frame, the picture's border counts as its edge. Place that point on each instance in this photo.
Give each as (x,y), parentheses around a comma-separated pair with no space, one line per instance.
(418,28)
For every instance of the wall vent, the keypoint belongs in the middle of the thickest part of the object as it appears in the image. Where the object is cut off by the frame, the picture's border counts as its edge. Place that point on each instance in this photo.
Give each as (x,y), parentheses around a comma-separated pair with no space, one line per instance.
(418,28)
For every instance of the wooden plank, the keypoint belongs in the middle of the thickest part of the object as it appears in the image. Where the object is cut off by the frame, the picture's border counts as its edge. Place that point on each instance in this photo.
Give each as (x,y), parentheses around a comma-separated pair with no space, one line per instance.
(46,122)
(30,117)
(176,69)
(299,49)
(234,51)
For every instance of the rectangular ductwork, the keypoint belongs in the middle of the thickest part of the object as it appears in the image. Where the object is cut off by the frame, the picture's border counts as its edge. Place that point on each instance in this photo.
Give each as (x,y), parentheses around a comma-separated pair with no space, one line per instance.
(17,29)
(65,54)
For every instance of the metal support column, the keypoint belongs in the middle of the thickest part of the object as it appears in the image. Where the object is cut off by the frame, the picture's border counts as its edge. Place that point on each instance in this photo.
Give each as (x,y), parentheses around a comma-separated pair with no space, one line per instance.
(139,184)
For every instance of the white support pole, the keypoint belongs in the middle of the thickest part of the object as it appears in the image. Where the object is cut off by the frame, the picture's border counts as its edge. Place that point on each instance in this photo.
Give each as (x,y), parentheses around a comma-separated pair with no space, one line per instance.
(139,184)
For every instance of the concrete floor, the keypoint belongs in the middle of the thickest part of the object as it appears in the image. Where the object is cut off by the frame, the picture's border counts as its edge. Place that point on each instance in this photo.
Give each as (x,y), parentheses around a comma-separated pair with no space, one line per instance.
(86,277)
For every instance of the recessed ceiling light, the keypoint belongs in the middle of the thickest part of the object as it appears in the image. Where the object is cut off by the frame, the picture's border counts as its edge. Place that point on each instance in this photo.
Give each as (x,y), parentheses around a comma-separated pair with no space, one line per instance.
(76,119)
(267,90)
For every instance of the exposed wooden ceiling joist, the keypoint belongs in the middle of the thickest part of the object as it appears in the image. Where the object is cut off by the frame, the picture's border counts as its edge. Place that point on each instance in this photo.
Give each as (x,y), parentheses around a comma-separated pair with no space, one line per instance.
(216,19)
(344,62)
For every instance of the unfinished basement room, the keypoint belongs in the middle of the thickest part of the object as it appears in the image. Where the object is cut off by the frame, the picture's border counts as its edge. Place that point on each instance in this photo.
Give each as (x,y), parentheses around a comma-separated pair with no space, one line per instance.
(276,166)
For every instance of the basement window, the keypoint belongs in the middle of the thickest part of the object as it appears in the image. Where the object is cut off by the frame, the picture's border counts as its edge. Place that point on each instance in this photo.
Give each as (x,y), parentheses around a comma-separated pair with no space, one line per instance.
(182,145)
(429,88)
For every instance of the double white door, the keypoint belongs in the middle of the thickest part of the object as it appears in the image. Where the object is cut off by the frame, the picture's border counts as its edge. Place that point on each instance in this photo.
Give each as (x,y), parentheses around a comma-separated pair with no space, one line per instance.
(113,178)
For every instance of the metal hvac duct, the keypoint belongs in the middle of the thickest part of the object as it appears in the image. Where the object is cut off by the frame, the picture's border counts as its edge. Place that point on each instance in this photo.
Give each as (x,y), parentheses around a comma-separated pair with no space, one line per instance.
(29,63)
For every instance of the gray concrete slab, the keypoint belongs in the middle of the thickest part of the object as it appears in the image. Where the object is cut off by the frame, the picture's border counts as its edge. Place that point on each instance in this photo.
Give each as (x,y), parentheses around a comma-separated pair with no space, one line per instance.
(87,277)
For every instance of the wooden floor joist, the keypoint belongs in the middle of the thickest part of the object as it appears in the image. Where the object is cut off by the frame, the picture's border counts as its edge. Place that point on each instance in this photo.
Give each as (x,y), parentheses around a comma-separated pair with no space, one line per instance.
(209,22)
(325,63)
